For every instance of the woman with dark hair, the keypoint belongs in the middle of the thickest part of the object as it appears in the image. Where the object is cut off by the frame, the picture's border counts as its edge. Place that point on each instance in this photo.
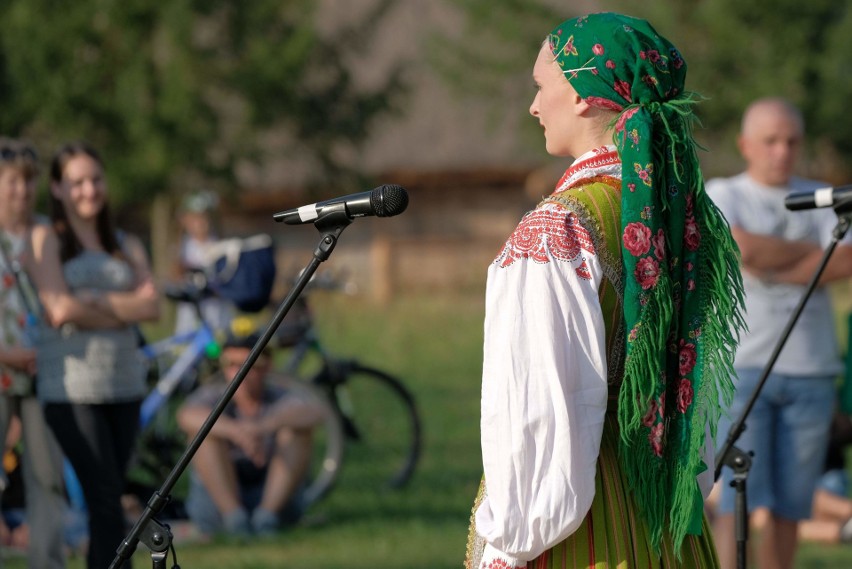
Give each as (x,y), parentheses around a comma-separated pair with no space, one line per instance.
(611,314)
(95,285)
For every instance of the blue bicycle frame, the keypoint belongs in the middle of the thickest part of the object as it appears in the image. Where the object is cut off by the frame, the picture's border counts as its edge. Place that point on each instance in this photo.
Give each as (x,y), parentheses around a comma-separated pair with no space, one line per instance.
(199,344)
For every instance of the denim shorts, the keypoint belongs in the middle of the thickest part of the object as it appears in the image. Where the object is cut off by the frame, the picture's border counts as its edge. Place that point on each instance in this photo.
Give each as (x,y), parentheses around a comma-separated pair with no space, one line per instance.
(787,429)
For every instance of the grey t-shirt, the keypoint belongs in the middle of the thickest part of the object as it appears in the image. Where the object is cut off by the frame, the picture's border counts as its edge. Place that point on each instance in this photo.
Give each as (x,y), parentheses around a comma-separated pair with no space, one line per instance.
(91,366)
(812,348)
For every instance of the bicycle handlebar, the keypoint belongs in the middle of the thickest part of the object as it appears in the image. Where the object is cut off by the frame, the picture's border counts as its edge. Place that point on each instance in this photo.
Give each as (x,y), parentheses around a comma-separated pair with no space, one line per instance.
(193,289)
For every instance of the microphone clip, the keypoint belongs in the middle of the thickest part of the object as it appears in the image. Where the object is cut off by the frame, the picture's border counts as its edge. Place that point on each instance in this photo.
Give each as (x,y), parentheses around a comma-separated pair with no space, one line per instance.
(331,223)
(332,217)
(843,206)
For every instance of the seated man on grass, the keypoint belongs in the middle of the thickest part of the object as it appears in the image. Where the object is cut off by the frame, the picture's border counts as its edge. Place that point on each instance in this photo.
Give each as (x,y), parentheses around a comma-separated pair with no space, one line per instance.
(247,473)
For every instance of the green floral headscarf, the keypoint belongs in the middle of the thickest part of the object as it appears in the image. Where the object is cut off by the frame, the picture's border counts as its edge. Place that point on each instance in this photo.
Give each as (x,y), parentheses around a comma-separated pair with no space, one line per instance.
(683,292)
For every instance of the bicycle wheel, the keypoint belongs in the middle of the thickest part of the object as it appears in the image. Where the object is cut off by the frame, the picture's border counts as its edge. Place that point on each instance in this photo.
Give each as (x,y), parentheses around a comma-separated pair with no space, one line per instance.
(381,425)
(328,442)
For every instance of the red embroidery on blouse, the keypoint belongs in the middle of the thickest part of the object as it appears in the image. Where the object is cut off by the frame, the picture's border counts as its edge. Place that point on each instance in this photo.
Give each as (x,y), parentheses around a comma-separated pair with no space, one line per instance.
(501,564)
(544,231)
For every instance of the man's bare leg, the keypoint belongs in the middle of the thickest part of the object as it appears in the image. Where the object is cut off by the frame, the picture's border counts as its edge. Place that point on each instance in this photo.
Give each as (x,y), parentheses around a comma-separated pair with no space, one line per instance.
(779,544)
(216,471)
(287,468)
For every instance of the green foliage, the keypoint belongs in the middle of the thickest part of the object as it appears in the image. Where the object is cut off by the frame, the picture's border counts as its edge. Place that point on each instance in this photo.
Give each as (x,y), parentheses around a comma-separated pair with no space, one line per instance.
(745,50)
(737,51)
(179,93)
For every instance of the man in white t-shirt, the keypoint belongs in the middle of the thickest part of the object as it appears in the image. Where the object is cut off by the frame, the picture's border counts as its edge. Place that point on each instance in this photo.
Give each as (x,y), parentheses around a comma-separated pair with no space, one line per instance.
(788,427)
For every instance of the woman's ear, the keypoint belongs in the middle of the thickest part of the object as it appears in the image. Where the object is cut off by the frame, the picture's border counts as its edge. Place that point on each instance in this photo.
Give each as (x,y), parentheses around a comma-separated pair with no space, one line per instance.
(581,107)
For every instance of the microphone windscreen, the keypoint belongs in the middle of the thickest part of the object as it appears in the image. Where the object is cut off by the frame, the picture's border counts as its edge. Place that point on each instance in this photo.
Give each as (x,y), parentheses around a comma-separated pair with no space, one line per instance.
(389,200)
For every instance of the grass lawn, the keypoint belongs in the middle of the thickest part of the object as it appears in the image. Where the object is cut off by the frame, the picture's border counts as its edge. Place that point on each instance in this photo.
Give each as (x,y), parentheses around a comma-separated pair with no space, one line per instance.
(434,344)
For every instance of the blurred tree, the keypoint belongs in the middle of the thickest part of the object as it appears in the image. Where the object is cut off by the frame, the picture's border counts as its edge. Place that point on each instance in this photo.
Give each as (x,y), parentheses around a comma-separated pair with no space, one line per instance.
(183,93)
(737,51)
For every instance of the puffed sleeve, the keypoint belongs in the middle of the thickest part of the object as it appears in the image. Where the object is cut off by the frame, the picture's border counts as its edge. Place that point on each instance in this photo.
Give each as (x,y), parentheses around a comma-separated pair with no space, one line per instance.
(544,388)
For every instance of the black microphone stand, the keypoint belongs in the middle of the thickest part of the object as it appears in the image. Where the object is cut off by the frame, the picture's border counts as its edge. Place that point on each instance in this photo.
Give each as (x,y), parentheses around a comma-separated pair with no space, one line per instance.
(152,533)
(730,455)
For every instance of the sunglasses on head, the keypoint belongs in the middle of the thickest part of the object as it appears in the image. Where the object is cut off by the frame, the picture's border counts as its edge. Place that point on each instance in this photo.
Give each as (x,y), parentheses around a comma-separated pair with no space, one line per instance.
(7,153)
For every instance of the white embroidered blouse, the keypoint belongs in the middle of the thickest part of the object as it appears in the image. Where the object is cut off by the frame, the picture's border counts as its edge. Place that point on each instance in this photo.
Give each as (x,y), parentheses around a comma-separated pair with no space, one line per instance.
(544,382)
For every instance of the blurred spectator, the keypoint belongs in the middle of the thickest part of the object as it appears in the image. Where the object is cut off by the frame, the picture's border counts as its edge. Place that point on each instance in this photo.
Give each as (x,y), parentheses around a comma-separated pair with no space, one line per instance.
(831,520)
(248,471)
(14,531)
(197,236)
(41,457)
(789,424)
(95,285)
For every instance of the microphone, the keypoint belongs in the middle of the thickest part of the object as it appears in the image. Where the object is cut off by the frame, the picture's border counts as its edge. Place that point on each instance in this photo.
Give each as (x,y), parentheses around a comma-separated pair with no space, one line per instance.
(385,201)
(839,198)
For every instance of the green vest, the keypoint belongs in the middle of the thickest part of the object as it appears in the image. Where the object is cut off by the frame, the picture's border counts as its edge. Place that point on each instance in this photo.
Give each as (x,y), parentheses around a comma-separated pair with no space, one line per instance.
(598,207)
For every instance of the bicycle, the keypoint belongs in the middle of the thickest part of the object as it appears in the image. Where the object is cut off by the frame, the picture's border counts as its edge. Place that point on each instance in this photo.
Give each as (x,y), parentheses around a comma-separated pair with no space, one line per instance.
(375,419)
(176,366)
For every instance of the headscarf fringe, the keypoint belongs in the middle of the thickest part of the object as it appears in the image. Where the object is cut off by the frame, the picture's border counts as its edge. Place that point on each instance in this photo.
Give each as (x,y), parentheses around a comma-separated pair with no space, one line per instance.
(646,368)
(723,305)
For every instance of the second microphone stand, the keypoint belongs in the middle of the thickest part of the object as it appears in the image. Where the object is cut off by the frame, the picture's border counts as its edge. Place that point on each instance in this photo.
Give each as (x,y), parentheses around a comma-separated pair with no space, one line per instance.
(733,457)
(152,533)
